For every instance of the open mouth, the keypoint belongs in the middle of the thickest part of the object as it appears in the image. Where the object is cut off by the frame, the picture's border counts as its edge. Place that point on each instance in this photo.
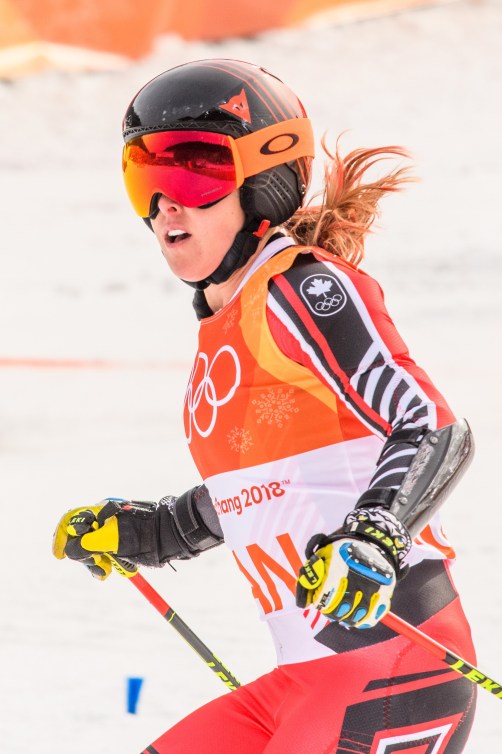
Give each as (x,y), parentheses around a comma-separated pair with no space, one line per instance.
(175,236)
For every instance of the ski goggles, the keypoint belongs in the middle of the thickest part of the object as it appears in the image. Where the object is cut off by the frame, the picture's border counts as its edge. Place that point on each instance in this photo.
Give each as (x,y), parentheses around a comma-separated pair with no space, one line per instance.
(197,168)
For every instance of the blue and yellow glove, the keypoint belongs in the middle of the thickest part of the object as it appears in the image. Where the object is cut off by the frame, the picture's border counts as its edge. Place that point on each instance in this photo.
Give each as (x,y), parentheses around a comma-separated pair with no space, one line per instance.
(116,527)
(350,575)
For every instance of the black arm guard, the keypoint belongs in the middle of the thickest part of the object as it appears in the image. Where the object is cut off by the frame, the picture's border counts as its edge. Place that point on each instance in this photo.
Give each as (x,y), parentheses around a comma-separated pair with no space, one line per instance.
(187,525)
(152,534)
(442,457)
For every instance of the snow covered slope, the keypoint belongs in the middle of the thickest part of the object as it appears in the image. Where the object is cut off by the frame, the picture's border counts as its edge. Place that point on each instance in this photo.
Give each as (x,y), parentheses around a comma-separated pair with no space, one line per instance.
(81,280)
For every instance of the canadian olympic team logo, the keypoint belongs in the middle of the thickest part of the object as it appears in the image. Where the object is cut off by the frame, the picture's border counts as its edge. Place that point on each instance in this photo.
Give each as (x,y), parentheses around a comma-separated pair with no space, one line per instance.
(323,294)
(212,384)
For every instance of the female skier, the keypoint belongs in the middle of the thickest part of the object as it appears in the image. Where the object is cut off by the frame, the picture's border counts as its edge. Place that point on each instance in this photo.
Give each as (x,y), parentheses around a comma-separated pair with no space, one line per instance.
(316,435)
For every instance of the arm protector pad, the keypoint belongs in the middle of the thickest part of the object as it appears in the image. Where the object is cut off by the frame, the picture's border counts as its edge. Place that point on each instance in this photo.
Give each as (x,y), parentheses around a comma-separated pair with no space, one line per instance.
(187,525)
(442,457)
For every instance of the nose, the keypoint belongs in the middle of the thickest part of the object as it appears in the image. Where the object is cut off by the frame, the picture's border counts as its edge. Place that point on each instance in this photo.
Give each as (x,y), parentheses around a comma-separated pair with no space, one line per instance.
(167,206)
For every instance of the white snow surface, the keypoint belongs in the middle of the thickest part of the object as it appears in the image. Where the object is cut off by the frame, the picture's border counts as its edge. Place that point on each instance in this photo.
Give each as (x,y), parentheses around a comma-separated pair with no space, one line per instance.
(82,279)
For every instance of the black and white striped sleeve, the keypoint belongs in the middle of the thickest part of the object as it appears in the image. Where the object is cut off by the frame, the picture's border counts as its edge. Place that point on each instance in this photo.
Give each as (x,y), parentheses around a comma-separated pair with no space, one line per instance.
(331,318)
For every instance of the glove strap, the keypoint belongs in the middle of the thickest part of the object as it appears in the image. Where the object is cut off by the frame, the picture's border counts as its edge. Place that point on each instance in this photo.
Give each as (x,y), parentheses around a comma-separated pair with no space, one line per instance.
(382,528)
(318,541)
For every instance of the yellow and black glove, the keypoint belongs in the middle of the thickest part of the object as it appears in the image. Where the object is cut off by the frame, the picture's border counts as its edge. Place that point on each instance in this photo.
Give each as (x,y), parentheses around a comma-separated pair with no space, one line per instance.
(123,528)
(142,533)
(350,575)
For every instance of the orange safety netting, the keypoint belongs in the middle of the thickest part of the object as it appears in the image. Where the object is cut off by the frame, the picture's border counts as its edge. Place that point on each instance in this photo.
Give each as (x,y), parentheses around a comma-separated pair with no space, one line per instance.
(128,27)
(203,19)
(31,29)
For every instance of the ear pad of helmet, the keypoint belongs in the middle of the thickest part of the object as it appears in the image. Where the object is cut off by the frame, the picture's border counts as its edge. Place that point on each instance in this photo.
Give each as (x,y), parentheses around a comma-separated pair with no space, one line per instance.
(273,194)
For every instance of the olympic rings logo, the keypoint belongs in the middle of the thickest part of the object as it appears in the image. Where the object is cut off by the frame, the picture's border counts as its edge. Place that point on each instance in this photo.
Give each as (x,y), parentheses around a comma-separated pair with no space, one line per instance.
(206,392)
(329,303)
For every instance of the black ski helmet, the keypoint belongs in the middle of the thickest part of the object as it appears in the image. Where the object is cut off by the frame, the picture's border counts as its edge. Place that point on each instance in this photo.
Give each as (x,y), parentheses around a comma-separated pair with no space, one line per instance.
(234,98)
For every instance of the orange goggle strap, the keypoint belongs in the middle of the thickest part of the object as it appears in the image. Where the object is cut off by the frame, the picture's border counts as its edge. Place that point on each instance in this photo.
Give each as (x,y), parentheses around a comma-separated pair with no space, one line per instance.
(274,145)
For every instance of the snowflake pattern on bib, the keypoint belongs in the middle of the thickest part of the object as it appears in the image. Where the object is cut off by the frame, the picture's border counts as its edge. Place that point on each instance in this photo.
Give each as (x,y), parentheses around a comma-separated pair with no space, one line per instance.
(275,406)
(240,440)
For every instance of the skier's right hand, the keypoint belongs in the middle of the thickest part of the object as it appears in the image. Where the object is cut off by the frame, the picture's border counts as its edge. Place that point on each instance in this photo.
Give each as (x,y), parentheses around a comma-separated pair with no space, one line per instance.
(121,528)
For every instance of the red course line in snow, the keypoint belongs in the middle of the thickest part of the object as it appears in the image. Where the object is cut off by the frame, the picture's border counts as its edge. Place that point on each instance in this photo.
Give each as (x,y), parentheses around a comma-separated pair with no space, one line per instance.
(40,363)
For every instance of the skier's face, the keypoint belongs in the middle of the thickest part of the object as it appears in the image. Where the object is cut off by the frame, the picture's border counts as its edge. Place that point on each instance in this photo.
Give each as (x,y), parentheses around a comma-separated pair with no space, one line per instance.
(195,240)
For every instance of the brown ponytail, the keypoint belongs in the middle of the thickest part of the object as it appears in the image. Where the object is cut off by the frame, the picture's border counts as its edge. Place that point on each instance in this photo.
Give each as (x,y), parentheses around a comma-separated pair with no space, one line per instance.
(349,205)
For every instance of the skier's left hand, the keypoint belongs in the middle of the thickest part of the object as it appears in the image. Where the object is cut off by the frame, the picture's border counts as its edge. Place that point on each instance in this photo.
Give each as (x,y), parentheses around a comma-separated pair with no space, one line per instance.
(350,575)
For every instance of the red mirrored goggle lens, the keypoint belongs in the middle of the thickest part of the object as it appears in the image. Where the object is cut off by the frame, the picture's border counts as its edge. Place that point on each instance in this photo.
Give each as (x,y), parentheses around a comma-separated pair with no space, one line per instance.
(192,168)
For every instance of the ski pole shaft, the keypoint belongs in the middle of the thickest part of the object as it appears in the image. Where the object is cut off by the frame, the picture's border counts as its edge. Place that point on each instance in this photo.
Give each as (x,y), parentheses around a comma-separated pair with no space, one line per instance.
(402,627)
(131,572)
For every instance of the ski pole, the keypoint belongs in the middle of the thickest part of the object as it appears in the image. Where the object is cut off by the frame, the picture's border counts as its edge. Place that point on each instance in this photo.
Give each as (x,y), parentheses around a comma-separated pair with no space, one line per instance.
(130,571)
(391,620)
(402,627)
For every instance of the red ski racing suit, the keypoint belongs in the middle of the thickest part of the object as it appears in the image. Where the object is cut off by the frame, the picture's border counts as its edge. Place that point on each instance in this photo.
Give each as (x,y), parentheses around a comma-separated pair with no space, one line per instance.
(298,383)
